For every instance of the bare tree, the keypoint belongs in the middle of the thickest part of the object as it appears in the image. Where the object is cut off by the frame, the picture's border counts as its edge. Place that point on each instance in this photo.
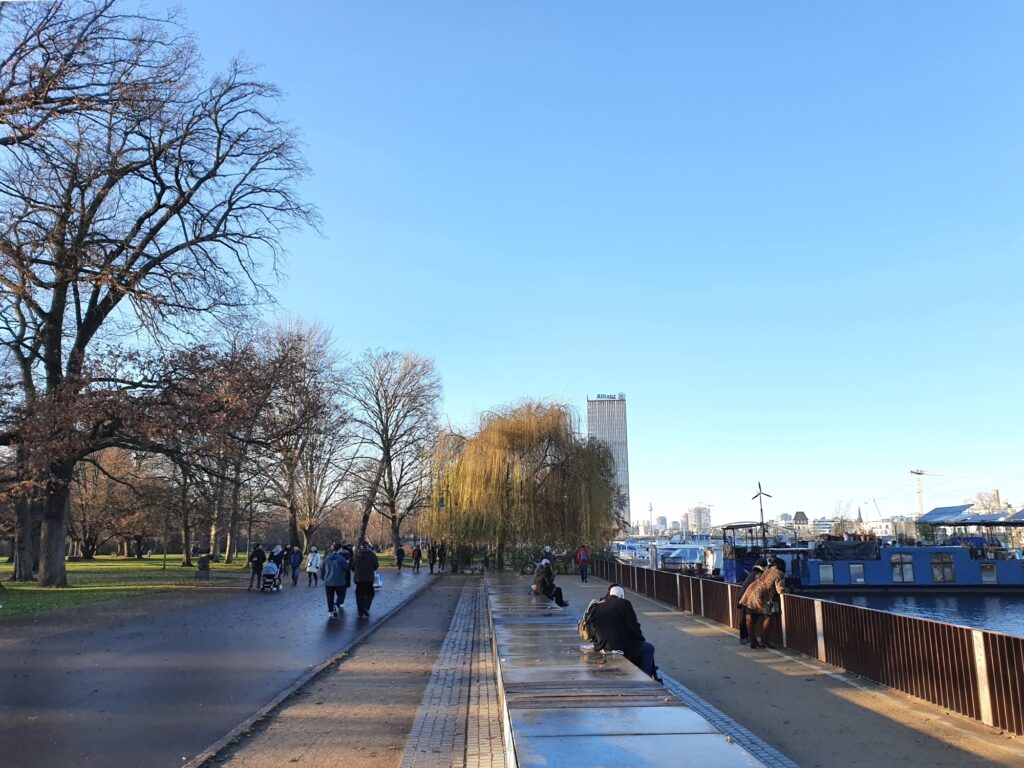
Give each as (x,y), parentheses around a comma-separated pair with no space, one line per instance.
(149,208)
(394,399)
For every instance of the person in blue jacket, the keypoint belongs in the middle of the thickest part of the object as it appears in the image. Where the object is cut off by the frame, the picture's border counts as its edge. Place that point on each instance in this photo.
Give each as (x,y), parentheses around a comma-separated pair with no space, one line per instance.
(334,572)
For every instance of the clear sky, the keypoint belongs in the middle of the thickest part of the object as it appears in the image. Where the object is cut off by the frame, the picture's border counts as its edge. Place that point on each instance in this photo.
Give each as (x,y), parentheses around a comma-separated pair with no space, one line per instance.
(791,233)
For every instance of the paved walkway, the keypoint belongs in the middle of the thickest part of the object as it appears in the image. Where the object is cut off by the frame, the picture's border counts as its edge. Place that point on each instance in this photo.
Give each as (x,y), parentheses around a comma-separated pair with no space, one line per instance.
(155,681)
(459,720)
(810,712)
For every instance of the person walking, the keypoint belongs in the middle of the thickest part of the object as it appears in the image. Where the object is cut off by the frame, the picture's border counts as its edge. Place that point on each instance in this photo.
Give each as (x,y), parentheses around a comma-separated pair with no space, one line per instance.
(399,556)
(277,558)
(616,628)
(312,567)
(761,601)
(364,565)
(583,560)
(417,555)
(432,555)
(295,562)
(755,571)
(442,553)
(334,570)
(256,561)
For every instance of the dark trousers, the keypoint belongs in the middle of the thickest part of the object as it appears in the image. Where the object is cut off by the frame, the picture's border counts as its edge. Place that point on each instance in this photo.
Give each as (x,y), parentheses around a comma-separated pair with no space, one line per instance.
(295,577)
(416,564)
(332,593)
(364,596)
(257,574)
(399,561)
(556,595)
(583,573)
(743,623)
(312,578)
(643,657)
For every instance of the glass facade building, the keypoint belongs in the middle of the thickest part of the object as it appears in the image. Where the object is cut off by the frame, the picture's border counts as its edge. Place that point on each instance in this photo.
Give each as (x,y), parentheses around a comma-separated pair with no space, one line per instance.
(606,421)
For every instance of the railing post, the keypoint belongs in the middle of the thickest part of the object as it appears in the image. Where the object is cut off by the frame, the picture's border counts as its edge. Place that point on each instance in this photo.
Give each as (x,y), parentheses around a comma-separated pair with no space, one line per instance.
(728,596)
(785,636)
(981,666)
(679,591)
(693,600)
(819,626)
(702,597)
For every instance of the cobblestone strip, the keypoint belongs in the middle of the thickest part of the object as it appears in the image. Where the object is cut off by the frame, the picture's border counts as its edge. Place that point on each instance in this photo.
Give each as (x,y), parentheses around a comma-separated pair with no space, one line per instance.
(438,736)
(761,750)
(484,744)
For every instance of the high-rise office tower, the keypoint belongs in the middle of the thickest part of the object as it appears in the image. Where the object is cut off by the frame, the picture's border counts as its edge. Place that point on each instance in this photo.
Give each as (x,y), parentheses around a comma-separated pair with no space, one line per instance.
(606,421)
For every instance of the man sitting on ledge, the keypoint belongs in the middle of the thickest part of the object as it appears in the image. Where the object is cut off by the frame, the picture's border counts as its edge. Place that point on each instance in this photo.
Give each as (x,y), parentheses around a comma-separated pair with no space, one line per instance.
(616,628)
(544,583)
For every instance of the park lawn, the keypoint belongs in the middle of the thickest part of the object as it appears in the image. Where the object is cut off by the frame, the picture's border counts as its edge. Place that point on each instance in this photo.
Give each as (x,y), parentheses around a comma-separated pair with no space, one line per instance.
(109,578)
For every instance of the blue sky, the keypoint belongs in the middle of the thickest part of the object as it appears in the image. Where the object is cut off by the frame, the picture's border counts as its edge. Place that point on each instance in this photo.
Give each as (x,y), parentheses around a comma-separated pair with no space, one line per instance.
(790,233)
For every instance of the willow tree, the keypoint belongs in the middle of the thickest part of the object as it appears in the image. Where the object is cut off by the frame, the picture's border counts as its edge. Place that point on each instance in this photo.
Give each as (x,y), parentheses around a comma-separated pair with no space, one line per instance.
(525,477)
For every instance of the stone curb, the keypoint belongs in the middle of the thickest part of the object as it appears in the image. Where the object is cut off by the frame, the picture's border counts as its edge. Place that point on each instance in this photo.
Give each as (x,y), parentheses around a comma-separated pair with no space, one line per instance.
(211,752)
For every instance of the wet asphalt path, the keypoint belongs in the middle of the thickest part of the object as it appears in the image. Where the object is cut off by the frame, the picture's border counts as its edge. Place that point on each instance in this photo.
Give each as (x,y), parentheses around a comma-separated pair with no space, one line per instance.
(163,679)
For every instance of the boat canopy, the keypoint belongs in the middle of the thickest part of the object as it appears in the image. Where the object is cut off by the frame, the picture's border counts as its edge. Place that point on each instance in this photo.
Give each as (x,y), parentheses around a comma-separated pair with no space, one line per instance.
(957,516)
(945,515)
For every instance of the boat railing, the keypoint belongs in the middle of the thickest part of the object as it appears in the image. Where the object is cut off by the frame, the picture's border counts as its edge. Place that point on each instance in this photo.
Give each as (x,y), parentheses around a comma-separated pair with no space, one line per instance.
(977,673)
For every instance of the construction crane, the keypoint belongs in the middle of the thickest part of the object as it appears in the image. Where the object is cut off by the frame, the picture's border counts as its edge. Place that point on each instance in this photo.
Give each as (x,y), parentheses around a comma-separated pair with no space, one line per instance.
(919,475)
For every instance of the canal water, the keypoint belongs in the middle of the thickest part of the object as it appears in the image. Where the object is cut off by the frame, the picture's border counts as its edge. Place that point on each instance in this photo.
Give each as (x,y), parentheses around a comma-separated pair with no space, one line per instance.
(999,613)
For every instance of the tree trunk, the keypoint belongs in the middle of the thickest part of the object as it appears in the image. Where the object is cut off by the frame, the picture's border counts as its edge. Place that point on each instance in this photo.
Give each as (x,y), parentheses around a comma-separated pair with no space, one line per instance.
(186,525)
(53,539)
(371,497)
(234,516)
(396,525)
(26,540)
(293,524)
(307,538)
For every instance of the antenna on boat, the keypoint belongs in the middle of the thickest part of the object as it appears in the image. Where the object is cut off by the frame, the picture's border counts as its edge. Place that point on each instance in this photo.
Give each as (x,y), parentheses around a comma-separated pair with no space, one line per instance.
(760,502)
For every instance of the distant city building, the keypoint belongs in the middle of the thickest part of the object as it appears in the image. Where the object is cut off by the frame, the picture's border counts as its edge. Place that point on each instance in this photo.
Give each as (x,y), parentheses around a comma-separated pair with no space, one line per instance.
(606,421)
(822,525)
(661,523)
(800,518)
(700,519)
(686,528)
(785,517)
(674,525)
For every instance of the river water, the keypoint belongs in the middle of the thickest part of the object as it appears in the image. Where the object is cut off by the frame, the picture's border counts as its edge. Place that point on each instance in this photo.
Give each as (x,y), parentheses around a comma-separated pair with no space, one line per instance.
(999,613)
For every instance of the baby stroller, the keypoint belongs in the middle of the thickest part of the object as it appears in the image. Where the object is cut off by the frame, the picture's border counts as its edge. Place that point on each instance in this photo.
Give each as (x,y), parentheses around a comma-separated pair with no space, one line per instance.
(271,578)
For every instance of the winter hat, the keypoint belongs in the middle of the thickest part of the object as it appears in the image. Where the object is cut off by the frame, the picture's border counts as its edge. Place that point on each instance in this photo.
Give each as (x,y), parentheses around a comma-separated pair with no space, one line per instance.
(617,591)
(545,561)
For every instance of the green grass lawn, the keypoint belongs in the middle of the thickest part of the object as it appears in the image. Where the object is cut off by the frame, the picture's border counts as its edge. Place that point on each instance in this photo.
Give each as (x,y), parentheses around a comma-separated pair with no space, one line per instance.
(109,578)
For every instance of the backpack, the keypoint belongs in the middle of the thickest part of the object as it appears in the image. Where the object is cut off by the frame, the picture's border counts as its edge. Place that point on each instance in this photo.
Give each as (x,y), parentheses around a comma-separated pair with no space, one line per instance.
(585,625)
(584,556)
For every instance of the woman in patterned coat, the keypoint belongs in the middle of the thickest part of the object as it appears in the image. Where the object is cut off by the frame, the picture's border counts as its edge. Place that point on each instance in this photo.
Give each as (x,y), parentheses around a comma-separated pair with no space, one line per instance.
(761,601)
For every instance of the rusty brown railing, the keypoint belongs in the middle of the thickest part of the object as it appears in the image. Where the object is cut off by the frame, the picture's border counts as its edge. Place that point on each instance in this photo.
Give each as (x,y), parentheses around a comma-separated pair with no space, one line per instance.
(974,672)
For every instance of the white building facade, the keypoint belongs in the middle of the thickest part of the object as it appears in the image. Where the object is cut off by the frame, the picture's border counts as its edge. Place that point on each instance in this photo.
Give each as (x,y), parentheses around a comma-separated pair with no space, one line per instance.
(606,421)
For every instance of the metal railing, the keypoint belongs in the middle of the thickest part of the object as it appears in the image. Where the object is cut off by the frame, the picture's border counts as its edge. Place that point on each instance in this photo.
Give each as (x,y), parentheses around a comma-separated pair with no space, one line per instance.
(977,673)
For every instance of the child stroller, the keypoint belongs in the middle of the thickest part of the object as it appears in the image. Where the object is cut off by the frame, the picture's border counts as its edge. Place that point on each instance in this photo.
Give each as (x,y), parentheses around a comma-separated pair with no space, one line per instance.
(271,578)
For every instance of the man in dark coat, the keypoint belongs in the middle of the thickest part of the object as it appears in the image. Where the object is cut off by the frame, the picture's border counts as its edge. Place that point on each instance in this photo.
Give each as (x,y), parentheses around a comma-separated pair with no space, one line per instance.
(544,583)
(616,628)
(256,561)
(334,572)
(364,565)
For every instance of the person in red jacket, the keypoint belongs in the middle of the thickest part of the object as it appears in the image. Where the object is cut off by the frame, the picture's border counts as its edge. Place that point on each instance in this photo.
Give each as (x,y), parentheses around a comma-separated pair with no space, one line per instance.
(583,560)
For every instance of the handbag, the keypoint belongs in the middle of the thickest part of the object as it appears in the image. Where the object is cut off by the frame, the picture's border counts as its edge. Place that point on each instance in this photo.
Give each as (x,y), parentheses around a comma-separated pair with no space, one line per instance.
(378,581)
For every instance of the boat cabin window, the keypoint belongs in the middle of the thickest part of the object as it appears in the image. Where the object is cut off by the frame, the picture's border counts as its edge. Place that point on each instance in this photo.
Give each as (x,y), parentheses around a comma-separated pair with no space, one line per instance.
(988,573)
(856,573)
(902,568)
(826,573)
(942,568)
